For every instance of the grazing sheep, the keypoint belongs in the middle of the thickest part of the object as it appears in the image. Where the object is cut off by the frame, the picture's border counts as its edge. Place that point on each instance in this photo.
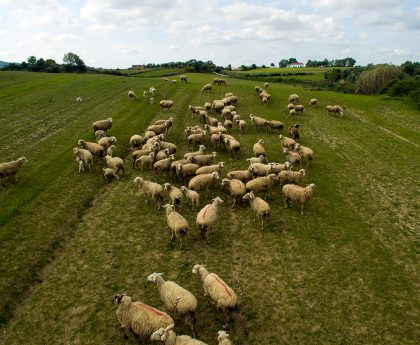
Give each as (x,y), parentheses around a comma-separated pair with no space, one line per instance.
(173,81)
(294,131)
(305,152)
(287,142)
(132,95)
(266,85)
(299,108)
(162,154)
(138,318)
(258,148)
(102,125)
(83,155)
(290,106)
(335,109)
(206,218)
(218,105)
(276,167)
(145,161)
(221,293)
(94,148)
(210,169)
(203,159)
(258,159)
(136,141)
(292,112)
(258,89)
(207,106)
(152,90)
(242,175)
(292,157)
(183,171)
(157,129)
(165,79)
(165,104)
(262,184)
(163,165)
(232,146)
(293,98)
(242,125)
(273,124)
(192,196)
(174,193)
(260,207)
(110,174)
(203,182)
(79,99)
(223,338)
(200,151)
(150,190)
(177,299)
(110,150)
(207,88)
(196,139)
(258,122)
(168,337)
(115,163)
(293,192)
(183,77)
(106,142)
(313,101)
(99,134)
(12,168)
(151,100)
(236,188)
(228,124)
(260,169)
(177,224)
(219,81)
(288,176)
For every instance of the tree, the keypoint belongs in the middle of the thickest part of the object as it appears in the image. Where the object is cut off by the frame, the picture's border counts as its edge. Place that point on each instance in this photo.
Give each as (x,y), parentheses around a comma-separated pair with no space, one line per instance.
(283,63)
(229,67)
(74,62)
(272,64)
(291,60)
(253,66)
(31,60)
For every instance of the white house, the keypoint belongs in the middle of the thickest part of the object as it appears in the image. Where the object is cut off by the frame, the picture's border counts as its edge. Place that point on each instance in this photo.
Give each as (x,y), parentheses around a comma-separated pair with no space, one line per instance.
(295,65)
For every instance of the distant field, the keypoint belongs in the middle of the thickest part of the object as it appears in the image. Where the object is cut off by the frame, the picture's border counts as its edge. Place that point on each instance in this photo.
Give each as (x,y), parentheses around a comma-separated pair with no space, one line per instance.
(158,72)
(346,272)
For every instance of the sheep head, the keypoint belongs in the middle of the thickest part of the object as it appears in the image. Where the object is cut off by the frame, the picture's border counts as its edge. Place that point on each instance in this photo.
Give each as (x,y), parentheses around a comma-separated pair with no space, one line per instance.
(80,142)
(22,159)
(196,268)
(153,277)
(217,201)
(221,335)
(139,181)
(118,297)
(215,175)
(166,187)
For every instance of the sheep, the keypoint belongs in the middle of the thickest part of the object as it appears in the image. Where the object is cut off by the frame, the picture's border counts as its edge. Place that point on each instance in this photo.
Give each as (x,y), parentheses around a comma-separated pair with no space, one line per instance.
(264,100)
(287,142)
(177,224)
(203,181)
(223,338)
(221,293)
(216,139)
(207,106)
(258,122)
(177,299)
(211,121)
(206,218)
(102,124)
(184,171)
(149,134)
(273,124)
(288,176)
(139,318)
(158,129)
(258,159)
(242,125)
(145,161)
(173,81)
(260,207)
(106,142)
(192,196)
(258,89)
(206,88)
(151,100)
(80,164)
(11,169)
(266,85)
(110,174)
(262,184)
(196,139)
(290,106)
(299,108)
(292,157)
(200,151)
(79,99)
(162,154)
(258,148)
(84,156)
(132,95)
(136,141)
(218,105)
(313,101)
(232,145)
(184,77)
(203,159)
(115,163)
(174,193)
(139,153)
(294,131)
(293,98)
(165,79)
(305,152)
(110,150)
(99,134)
(226,113)
(260,169)
(168,337)
(94,148)
(228,124)
(163,165)
(292,112)
(293,192)
(150,190)
(152,90)
(165,104)
(236,188)
(215,129)
(219,81)
(276,167)
(242,175)
(335,109)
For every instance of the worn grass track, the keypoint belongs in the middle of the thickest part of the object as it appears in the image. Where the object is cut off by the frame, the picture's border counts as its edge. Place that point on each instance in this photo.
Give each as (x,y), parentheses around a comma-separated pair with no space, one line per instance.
(345,272)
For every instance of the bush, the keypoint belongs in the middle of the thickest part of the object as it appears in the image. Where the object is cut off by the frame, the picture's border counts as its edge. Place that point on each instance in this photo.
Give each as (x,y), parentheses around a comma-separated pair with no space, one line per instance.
(372,80)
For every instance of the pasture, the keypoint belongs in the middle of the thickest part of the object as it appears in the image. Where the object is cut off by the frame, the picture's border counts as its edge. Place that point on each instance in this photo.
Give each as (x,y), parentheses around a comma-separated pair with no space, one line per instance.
(345,272)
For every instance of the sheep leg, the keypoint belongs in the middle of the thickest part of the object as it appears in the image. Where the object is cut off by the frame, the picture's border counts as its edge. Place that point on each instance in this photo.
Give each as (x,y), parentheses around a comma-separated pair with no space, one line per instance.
(285,203)
(227,319)
(262,223)
(301,210)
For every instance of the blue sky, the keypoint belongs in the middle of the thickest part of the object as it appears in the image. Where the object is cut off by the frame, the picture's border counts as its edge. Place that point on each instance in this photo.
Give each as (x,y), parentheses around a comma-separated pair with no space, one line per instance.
(119,33)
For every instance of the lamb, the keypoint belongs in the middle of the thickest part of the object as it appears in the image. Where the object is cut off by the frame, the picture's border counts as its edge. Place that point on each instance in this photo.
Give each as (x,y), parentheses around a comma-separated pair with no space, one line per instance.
(258,121)
(174,193)
(139,318)
(223,338)
(335,109)
(144,152)
(242,125)
(258,159)
(266,85)
(183,77)
(99,134)
(83,155)
(168,337)
(177,224)
(79,99)
(232,146)
(242,175)
(304,152)
(106,142)
(94,148)
(210,169)
(294,131)
(115,163)
(259,148)
(236,188)
(132,95)
(313,101)
(203,182)
(177,299)
(260,207)
(80,164)
(206,218)
(102,124)
(192,196)
(207,88)
(262,184)
(287,142)
(110,174)
(292,192)
(299,108)
(288,176)
(273,124)
(136,141)
(165,104)
(200,151)
(221,293)
(184,171)
(150,190)
(145,161)
(196,139)
(163,165)
(12,168)
(293,98)
(203,159)
(292,157)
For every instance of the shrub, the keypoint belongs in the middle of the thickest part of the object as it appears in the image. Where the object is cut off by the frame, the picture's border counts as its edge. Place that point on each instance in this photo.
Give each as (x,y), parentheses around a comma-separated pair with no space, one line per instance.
(372,80)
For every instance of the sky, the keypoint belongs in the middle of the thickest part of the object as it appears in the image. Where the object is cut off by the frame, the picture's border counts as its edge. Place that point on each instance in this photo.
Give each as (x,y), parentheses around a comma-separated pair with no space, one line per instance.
(120,33)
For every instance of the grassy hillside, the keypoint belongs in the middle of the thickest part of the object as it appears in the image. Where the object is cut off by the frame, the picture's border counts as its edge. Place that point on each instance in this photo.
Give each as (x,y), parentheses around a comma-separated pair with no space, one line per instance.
(344,272)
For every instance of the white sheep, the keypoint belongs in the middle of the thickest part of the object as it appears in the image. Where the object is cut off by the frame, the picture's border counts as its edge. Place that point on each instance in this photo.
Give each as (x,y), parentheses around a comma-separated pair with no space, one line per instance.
(173,81)
(313,101)
(136,141)
(102,124)
(291,177)
(99,134)
(145,94)
(207,88)
(168,337)
(132,95)
(258,122)
(259,206)
(177,223)
(241,124)
(183,171)
(203,182)
(79,99)
(266,85)
(152,90)
(165,104)
(259,159)
(115,163)
(177,299)
(223,338)
(192,196)
(203,159)
(273,124)
(292,157)
(207,217)
(145,161)
(139,318)
(262,184)
(335,109)
(11,169)
(210,169)
(163,165)
(150,190)
(165,79)
(83,156)
(106,142)
(151,100)
(293,98)
(236,188)
(288,143)
(260,169)
(242,175)
(184,77)
(293,192)
(207,106)
(258,148)
(305,152)
(174,193)
(94,148)
(110,174)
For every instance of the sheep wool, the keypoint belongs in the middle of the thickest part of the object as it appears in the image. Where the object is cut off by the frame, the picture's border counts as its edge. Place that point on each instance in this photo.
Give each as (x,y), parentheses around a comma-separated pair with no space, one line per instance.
(262,184)
(203,181)
(150,190)
(102,124)
(132,95)
(175,194)
(165,104)
(177,224)
(207,88)
(259,206)
(207,217)
(168,337)
(236,188)
(287,142)
(192,196)
(83,155)
(293,192)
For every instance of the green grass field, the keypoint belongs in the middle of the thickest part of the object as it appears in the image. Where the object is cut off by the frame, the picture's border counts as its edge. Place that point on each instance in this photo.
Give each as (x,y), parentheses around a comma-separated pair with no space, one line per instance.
(346,272)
